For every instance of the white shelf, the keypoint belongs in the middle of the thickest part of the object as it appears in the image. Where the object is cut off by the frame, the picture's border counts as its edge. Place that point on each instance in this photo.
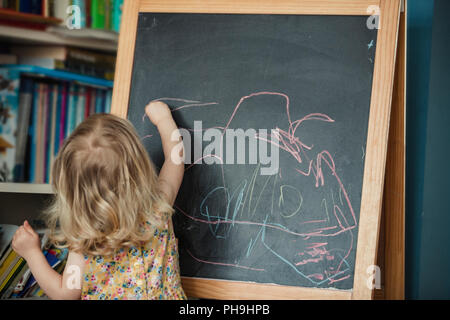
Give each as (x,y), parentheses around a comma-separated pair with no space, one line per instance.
(26,188)
(92,39)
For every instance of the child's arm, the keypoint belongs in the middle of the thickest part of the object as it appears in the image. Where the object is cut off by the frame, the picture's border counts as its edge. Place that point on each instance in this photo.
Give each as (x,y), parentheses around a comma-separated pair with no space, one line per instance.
(62,287)
(172,171)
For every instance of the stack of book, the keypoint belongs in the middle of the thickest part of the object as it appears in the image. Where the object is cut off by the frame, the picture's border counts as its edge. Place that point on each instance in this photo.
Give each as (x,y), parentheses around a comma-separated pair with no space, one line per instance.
(95,14)
(100,14)
(39,7)
(86,62)
(36,115)
(16,280)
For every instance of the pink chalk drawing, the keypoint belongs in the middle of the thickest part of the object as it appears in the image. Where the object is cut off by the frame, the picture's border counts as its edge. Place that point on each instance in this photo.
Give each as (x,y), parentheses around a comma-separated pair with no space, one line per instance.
(316,168)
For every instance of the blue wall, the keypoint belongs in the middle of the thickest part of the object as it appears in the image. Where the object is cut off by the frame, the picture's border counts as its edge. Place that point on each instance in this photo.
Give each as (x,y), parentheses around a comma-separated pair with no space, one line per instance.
(428,139)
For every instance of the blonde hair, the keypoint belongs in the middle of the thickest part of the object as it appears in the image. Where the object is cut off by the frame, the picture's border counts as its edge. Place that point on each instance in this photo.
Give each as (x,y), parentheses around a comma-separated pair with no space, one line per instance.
(106,189)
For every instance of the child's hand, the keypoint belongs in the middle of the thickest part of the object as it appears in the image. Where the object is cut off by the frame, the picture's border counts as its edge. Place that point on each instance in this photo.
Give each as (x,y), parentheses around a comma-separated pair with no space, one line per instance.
(26,241)
(158,111)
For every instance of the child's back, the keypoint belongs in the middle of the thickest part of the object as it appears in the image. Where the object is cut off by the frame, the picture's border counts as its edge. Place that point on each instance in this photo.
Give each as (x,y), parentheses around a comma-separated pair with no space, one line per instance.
(147,272)
(113,213)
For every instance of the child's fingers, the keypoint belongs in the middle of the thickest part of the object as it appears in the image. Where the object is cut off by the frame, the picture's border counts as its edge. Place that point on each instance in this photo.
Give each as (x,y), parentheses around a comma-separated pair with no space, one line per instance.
(28,228)
(20,231)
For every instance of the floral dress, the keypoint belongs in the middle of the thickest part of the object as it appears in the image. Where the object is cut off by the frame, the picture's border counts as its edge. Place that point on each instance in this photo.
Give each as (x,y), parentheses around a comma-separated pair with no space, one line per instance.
(150,272)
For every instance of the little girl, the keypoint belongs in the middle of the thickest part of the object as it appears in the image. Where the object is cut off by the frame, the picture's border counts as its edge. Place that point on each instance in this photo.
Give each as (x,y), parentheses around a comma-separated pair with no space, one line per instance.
(113,213)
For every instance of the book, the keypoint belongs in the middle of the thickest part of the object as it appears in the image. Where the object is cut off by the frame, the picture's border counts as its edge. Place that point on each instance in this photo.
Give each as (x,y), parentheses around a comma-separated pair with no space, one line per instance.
(52,133)
(69,59)
(13,268)
(13,273)
(52,260)
(5,256)
(63,53)
(88,13)
(7,232)
(93,100)
(100,96)
(25,7)
(37,6)
(98,14)
(20,286)
(108,14)
(8,265)
(72,109)
(60,9)
(14,281)
(40,133)
(108,101)
(62,120)
(9,105)
(81,104)
(45,133)
(33,132)
(51,7)
(56,136)
(81,4)
(11,4)
(117,9)
(25,105)
(50,105)
(48,63)
(87,107)
(46,8)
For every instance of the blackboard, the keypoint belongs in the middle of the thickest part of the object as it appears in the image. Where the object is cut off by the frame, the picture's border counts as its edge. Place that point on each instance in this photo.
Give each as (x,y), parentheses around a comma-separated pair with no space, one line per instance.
(308,76)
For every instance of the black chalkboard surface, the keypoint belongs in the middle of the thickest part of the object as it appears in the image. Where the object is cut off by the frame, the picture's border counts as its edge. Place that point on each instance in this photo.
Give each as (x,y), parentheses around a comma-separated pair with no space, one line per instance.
(307,81)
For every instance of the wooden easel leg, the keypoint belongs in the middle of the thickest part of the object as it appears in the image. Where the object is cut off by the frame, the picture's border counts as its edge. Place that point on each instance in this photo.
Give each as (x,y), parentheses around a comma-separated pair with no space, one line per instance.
(393,244)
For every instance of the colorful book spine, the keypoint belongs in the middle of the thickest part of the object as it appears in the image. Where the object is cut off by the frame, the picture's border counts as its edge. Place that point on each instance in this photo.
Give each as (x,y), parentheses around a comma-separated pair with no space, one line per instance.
(117,15)
(9,105)
(99,101)
(93,100)
(81,4)
(43,140)
(37,6)
(8,281)
(60,10)
(33,132)
(98,14)
(52,126)
(108,14)
(87,108)
(73,111)
(108,101)
(25,106)
(57,120)
(71,106)
(48,133)
(88,14)
(81,104)
(62,121)
(25,7)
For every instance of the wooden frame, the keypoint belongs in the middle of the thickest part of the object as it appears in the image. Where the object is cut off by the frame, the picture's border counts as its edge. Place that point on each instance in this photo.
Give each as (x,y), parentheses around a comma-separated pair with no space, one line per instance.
(377,138)
(393,251)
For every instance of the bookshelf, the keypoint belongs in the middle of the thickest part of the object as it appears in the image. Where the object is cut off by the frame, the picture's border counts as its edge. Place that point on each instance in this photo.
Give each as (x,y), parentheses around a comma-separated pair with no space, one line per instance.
(57,101)
(12,15)
(32,32)
(32,188)
(50,32)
